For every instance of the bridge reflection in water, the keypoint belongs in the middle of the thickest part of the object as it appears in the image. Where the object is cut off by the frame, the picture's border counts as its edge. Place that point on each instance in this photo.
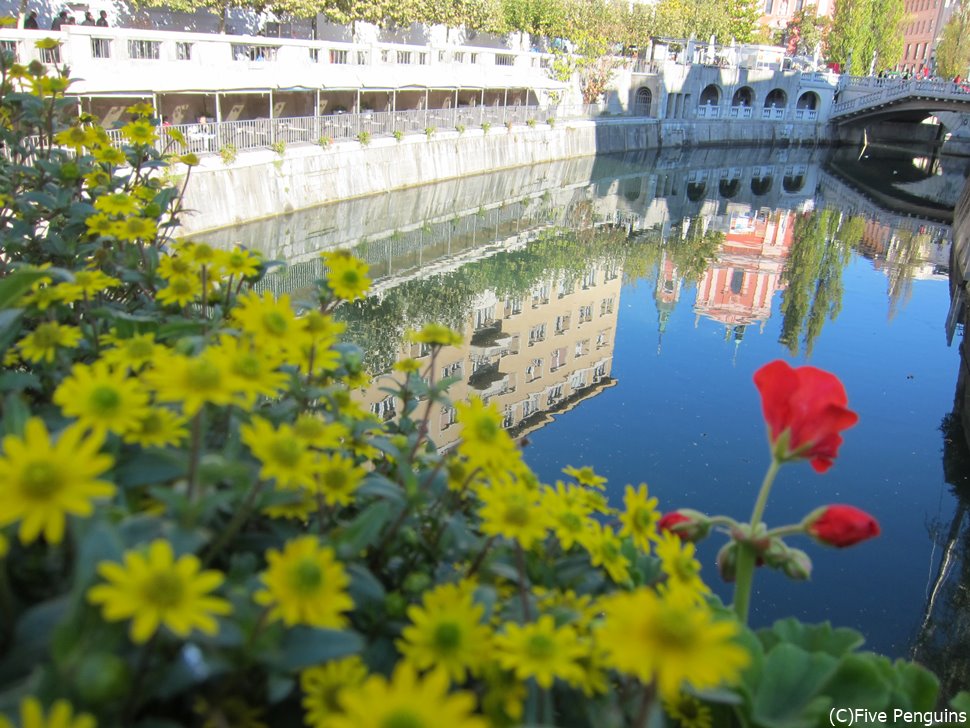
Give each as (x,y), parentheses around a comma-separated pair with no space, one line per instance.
(531,266)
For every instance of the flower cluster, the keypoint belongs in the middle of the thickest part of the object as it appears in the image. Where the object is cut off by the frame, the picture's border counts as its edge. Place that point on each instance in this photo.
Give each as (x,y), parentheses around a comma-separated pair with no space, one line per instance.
(201,524)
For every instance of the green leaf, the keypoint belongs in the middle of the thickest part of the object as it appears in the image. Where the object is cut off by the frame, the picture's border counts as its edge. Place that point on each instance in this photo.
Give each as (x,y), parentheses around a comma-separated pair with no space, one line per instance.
(151,467)
(916,684)
(857,682)
(811,637)
(18,381)
(378,485)
(17,284)
(364,530)
(31,638)
(304,647)
(15,415)
(788,695)
(364,586)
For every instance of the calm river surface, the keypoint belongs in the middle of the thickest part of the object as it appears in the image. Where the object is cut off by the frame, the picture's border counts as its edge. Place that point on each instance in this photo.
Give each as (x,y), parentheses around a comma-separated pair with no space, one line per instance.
(616,310)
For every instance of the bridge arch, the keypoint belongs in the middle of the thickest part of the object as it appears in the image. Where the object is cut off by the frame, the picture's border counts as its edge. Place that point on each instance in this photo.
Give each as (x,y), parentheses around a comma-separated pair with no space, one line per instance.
(729,188)
(744,96)
(776,99)
(696,190)
(643,100)
(793,183)
(808,101)
(711,95)
(761,185)
(632,188)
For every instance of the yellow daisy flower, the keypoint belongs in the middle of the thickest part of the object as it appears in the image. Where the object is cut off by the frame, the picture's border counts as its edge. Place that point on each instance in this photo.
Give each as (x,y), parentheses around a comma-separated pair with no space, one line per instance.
(305,584)
(513,511)
(541,651)
(338,479)
(484,441)
(301,505)
(688,711)
(131,352)
(73,137)
(117,203)
(175,266)
(568,513)
(61,715)
(42,343)
(407,700)
(640,517)
(318,432)
(585,476)
(670,640)
(110,155)
(239,262)
(154,589)
(42,482)
(682,569)
(101,398)
(254,374)
(100,224)
(436,335)
(157,427)
(346,275)
(135,228)
(446,632)
(605,550)
(180,291)
(271,322)
(407,366)
(282,455)
(140,132)
(323,685)
(192,381)
(87,284)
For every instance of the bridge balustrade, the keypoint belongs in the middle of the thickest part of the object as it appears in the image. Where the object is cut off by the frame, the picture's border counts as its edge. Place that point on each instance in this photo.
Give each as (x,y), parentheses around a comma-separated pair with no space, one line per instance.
(741,112)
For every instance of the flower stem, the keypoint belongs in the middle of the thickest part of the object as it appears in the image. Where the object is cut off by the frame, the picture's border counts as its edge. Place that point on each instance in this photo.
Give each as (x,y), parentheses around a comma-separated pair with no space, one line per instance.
(523,597)
(746,553)
(195,455)
(481,557)
(646,701)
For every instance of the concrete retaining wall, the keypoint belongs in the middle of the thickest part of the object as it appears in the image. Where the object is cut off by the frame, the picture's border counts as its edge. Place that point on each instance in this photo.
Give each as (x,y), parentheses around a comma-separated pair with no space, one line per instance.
(261,184)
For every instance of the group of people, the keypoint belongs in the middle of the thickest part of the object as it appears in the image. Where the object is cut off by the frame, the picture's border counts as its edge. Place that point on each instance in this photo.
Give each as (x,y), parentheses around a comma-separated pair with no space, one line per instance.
(65,18)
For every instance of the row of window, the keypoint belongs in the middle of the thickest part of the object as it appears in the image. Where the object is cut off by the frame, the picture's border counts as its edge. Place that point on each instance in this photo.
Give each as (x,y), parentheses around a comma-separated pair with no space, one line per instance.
(922,26)
(916,55)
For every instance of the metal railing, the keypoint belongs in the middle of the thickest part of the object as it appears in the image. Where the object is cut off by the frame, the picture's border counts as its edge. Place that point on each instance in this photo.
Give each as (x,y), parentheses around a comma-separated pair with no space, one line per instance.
(889,90)
(211,137)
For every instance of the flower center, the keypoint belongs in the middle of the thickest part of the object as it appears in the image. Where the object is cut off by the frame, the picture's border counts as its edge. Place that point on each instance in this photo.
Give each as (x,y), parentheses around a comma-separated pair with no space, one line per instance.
(517,514)
(402,719)
(447,636)
(105,400)
(164,589)
(46,336)
(247,366)
(286,452)
(571,521)
(307,577)
(275,323)
(643,518)
(673,630)
(486,429)
(540,647)
(139,349)
(203,375)
(40,480)
(335,479)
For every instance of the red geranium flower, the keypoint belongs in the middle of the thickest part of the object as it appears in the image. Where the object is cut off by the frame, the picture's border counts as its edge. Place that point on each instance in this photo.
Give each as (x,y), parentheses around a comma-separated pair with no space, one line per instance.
(842,526)
(669,520)
(805,409)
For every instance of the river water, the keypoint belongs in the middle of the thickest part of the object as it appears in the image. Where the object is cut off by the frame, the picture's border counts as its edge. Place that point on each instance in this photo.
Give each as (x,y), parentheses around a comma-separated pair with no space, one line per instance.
(616,308)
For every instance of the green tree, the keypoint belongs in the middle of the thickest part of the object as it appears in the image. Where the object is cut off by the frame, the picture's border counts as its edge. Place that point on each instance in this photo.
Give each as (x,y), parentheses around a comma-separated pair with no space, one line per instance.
(862,28)
(953,50)
(743,20)
(820,252)
(807,31)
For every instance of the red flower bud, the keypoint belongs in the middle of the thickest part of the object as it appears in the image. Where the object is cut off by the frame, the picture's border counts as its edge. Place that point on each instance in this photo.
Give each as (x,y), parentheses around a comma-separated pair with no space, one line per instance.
(841,526)
(688,524)
(805,409)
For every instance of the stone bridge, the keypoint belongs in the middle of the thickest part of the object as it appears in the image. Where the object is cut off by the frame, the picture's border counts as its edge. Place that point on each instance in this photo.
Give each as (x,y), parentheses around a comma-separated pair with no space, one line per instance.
(873,99)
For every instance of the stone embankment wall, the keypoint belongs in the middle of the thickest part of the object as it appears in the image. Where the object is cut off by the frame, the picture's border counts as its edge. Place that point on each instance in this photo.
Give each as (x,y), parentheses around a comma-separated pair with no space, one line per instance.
(261,184)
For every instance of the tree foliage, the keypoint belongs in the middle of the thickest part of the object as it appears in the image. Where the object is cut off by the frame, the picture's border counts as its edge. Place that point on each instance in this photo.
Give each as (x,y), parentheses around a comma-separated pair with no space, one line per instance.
(953,50)
(862,28)
(807,31)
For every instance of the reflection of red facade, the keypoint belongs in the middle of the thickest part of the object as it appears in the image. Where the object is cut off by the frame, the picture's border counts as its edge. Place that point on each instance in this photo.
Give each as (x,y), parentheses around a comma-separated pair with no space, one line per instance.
(738,286)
